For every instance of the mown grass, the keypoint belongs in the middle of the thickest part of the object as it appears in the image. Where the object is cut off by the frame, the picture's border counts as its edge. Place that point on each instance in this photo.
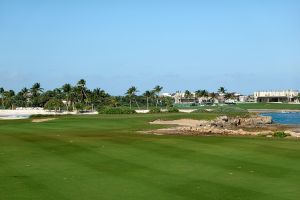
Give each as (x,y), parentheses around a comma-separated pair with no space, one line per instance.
(276,106)
(102,157)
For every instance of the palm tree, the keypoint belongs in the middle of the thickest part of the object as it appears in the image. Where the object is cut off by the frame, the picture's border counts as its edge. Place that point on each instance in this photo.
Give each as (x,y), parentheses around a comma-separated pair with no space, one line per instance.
(201,93)
(9,98)
(73,97)
(25,94)
(222,90)
(198,93)
(188,94)
(148,95)
(113,102)
(2,96)
(67,89)
(131,92)
(81,85)
(229,96)
(157,89)
(36,90)
(205,93)
(213,95)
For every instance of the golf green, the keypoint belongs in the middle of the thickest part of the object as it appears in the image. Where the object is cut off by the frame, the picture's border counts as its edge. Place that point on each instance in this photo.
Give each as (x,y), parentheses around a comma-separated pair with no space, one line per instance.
(104,157)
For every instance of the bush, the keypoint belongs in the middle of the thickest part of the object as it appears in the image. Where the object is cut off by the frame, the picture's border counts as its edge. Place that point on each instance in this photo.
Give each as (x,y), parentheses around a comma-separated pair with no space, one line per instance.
(203,110)
(116,110)
(280,134)
(40,116)
(172,110)
(79,106)
(154,110)
(54,104)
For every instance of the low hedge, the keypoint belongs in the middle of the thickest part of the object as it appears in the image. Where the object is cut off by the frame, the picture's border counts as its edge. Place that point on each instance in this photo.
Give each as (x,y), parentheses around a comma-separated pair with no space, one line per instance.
(280,134)
(154,110)
(172,110)
(116,110)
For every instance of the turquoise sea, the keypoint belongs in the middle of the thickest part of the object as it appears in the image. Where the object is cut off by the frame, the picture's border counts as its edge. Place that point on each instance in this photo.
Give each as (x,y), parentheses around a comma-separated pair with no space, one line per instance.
(284,117)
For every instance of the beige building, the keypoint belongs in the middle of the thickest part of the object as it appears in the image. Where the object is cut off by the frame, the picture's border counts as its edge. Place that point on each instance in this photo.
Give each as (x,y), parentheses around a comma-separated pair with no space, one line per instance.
(284,96)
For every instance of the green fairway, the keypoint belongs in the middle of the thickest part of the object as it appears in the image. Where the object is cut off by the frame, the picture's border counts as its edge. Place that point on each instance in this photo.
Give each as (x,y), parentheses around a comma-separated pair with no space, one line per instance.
(277,106)
(103,157)
(264,106)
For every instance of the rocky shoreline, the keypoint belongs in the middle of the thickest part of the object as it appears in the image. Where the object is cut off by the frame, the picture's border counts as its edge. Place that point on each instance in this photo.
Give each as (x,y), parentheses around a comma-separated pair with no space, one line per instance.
(223,125)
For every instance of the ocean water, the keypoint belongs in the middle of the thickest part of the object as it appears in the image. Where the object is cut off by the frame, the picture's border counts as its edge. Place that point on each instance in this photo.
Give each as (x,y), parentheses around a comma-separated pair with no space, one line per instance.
(284,117)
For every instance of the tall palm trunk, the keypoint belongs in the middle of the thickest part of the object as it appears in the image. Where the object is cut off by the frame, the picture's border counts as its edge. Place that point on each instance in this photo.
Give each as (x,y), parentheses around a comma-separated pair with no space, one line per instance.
(137,104)
(130,103)
(147,103)
(157,99)
(67,103)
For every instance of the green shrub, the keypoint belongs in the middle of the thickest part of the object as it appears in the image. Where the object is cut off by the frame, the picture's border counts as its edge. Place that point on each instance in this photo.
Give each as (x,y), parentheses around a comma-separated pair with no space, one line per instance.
(116,110)
(172,110)
(280,134)
(41,116)
(154,110)
(202,110)
(79,106)
(38,116)
(54,104)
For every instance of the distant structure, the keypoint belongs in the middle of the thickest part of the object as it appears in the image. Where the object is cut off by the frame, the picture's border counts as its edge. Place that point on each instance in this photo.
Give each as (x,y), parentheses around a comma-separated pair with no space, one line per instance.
(190,98)
(284,96)
(181,98)
(165,94)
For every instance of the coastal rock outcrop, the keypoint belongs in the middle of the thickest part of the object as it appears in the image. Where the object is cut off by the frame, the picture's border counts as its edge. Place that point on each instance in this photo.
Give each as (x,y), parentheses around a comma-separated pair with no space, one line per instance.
(222,125)
(225,121)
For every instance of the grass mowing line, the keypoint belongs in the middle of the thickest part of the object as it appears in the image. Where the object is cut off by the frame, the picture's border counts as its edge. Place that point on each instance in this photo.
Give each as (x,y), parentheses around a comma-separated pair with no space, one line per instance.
(121,163)
(136,166)
(275,106)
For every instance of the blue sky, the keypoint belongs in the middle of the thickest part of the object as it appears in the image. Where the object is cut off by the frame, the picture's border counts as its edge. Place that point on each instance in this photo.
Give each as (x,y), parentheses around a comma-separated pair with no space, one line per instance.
(241,45)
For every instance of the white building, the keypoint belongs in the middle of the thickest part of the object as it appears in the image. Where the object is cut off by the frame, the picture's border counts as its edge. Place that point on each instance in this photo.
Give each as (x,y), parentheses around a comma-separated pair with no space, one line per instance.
(284,96)
(165,94)
(181,98)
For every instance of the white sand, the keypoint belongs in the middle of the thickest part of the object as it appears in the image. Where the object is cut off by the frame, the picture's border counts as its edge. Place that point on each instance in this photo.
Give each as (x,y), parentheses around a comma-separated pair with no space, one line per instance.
(25,113)
(165,110)
(181,122)
(42,120)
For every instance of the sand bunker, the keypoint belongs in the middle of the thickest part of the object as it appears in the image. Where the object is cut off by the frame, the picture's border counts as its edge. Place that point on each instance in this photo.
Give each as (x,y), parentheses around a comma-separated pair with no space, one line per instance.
(181,122)
(42,120)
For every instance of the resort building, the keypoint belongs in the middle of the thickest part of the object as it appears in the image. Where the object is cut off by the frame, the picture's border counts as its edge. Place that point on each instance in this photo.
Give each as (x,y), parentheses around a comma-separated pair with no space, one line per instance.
(191,98)
(165,94)
(284,96)
(182,98)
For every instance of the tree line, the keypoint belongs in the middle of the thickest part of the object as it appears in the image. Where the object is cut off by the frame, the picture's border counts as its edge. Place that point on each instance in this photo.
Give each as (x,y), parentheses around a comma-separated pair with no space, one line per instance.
(79,97)
(207,94)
